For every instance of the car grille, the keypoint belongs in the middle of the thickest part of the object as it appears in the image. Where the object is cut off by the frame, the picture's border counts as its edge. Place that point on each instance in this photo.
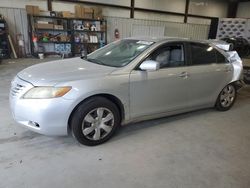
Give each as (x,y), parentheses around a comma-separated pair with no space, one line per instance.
(16,89)
(19,87)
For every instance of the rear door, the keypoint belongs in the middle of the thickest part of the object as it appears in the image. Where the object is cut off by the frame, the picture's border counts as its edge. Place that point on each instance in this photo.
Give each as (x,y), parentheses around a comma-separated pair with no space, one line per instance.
(209,72)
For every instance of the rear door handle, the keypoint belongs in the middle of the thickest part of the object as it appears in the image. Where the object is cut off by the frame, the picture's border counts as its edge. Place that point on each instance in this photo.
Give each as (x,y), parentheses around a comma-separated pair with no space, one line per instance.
(184,75)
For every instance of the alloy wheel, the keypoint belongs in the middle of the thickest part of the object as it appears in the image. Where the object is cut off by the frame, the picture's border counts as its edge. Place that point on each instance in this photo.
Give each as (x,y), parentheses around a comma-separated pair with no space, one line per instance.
(227,96)
(98,123)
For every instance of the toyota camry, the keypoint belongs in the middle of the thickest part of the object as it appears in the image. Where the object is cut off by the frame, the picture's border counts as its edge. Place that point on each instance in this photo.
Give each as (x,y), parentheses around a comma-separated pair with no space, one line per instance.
(129,80)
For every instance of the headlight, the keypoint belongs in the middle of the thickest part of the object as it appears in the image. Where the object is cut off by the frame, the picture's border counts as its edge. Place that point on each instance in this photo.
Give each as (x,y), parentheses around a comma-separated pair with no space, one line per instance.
(46,92)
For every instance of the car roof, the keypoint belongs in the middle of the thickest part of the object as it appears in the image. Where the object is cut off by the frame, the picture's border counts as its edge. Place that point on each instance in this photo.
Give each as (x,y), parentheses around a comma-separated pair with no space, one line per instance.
(167,39)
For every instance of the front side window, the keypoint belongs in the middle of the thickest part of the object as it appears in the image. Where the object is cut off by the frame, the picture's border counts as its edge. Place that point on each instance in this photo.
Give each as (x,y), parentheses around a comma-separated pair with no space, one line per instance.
(120,53)
(202,54)
(169,56)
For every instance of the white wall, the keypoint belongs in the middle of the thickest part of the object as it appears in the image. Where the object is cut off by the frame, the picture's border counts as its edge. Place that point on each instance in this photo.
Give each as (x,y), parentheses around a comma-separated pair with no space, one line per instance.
(165,5)
(243,10)
(193,20)
(22,3)
(107,11)
(115,2)
(43,3)
(209,8)
(156,16)
(172,29)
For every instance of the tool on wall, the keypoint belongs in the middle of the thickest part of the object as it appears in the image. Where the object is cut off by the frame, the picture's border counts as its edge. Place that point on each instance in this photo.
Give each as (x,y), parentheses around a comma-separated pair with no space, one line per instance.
(12,46)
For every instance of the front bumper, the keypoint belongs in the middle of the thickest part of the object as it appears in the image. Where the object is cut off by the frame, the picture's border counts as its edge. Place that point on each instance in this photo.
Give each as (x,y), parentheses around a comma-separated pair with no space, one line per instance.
(44,116)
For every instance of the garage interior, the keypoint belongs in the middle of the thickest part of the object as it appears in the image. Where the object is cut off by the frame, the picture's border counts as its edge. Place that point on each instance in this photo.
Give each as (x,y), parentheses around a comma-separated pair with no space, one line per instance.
(205,148)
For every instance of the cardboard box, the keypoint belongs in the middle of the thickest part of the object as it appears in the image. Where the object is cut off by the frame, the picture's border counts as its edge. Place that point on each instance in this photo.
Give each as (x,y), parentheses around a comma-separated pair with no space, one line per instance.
(29,9)
(87,13)
(33,10)
(60,27)
(44,13)
(36,10)
(88,10)
(44,26)
(78,11)
(42,22)
(67,14)
(82,12)
(98,13)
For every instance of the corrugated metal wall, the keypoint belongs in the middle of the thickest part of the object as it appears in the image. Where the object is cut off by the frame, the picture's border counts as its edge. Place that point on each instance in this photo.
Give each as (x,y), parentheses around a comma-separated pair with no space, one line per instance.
(243,10)
(172,29)
(17,23)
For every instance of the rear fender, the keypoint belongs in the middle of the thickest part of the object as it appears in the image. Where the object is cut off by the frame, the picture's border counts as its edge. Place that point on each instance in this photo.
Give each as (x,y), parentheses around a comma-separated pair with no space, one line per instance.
(236,61)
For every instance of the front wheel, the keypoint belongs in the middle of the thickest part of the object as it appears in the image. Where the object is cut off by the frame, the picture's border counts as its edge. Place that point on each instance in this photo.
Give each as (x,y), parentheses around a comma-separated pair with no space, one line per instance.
(226,98)
(95,121)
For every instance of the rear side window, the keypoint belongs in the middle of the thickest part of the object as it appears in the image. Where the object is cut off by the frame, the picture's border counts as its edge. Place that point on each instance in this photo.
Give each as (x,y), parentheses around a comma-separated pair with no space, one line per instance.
(202,54)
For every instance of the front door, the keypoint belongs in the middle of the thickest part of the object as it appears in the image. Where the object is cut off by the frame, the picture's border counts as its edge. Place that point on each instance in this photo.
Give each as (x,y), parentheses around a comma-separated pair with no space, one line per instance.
(154,92)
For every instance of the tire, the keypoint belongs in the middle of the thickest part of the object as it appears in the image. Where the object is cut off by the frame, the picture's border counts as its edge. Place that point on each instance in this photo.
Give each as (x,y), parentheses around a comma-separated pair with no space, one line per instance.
(226,98)
(95,121)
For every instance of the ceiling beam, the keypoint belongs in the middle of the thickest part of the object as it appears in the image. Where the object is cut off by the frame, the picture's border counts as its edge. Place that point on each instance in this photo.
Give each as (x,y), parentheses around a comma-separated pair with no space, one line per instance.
(49,5)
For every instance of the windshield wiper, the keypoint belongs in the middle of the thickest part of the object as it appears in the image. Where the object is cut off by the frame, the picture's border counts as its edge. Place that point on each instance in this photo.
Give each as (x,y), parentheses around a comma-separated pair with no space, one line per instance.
(95,61)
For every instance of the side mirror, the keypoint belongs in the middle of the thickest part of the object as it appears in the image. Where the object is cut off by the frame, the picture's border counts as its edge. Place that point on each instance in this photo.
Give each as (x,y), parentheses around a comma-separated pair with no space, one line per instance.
(150,65)
(84,54)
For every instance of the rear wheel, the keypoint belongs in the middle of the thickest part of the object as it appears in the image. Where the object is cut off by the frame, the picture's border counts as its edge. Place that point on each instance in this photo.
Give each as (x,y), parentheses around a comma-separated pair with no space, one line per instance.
(95,121)
(226,98)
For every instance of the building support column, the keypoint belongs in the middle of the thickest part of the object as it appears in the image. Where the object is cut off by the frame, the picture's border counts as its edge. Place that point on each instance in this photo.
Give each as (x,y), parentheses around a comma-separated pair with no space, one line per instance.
(186,11)
(232,9)
(49,5)
(132,10)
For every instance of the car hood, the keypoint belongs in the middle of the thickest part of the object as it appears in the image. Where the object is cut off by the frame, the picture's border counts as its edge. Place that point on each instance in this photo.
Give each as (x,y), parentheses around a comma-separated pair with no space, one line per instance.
(53,72)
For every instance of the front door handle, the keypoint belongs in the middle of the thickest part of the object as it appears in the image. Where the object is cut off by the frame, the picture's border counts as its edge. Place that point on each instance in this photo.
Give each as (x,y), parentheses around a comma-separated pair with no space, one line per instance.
(184,75)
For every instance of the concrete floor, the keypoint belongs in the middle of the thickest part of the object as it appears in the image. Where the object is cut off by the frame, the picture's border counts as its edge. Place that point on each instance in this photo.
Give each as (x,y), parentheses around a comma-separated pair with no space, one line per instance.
(203,149)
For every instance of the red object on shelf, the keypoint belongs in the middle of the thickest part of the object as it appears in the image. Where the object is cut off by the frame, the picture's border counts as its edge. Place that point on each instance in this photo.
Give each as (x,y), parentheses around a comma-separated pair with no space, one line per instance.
(34,39)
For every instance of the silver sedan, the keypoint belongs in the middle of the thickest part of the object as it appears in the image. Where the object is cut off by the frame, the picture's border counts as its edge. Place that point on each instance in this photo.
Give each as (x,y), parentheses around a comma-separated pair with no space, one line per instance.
(127,81)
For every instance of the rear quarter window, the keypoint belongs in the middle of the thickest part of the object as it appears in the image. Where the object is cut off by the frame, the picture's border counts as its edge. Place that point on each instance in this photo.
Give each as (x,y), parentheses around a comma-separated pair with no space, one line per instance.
(220,58)
(202,54)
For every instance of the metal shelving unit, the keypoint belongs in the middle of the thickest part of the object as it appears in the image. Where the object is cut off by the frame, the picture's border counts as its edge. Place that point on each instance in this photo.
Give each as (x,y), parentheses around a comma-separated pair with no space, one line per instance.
(4,43)
(77,42)
(85,45)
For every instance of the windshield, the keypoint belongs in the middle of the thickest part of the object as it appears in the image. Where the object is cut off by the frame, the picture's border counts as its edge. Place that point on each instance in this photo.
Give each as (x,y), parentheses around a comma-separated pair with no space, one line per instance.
(119,53)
